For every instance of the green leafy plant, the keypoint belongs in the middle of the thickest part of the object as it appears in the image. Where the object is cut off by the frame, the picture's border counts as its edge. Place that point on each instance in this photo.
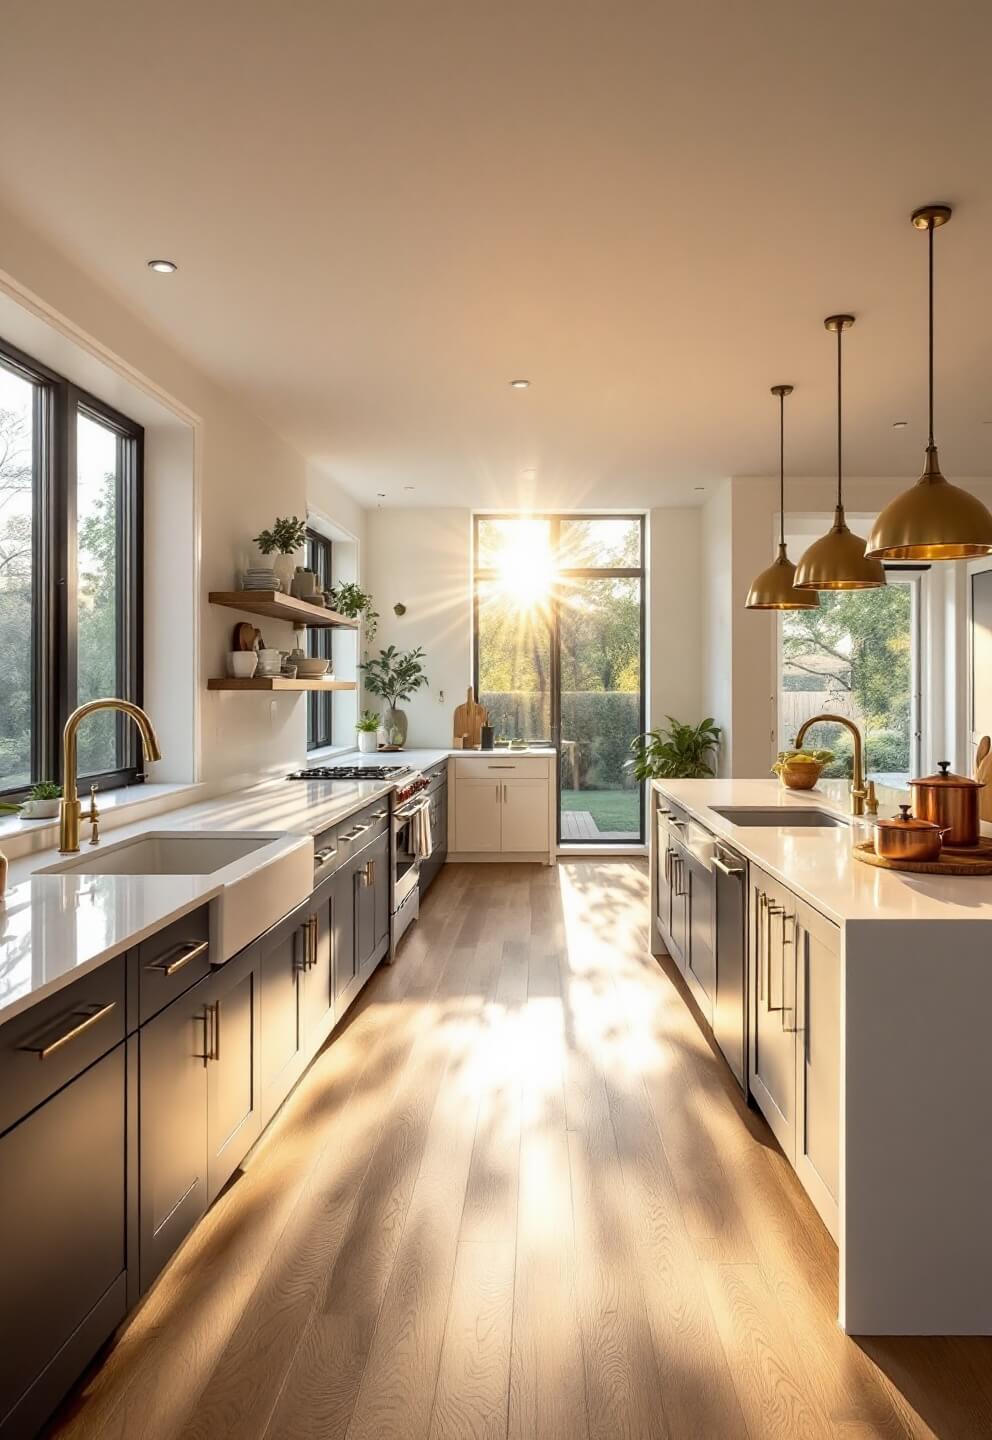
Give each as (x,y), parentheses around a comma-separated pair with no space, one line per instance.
(368,722)
(44,790)
(680,752)
(350,599)
(395,675)
(287,536)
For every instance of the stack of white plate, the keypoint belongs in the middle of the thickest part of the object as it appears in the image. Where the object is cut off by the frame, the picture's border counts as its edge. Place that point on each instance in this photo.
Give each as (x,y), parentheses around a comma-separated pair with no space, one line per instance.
(258,579)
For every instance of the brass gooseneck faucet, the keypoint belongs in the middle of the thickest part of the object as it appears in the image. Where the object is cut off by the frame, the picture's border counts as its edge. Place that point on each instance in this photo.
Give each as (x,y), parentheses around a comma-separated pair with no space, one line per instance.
(70,811)
(859,791)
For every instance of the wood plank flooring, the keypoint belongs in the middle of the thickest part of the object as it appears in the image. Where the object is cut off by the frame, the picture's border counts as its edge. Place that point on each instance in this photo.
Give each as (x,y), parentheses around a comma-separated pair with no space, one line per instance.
(518,1195)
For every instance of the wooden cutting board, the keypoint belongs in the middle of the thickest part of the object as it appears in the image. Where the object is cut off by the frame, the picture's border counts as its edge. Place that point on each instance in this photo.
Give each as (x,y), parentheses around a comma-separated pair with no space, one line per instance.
(983,773)
(469,720)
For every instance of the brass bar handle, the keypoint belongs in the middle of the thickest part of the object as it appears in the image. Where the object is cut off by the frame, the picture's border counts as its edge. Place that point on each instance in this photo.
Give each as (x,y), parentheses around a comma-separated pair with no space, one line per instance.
(183,954)
(313,942)
(304,964)
(788,940)
(379,814)
(727,869)
(771,910)
(215,1055)
(89,1018)
(207,1050)
(322,856)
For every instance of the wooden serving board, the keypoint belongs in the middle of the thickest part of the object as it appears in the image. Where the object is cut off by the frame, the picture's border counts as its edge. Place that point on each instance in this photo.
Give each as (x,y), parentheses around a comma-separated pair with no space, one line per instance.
(469,720)
(983,774)
(973,860)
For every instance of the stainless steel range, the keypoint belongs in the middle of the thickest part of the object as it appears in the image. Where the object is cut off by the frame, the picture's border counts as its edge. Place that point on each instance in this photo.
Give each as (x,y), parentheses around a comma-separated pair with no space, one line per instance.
(411,838)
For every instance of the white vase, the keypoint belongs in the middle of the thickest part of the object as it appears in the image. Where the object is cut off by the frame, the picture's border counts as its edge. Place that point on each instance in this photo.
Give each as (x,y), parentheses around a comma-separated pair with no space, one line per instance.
(368,741)
(285,568)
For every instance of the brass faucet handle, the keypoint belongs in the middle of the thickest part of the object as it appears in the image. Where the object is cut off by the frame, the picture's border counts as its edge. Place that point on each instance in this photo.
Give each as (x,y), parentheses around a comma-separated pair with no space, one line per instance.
(94,818)
(871,799)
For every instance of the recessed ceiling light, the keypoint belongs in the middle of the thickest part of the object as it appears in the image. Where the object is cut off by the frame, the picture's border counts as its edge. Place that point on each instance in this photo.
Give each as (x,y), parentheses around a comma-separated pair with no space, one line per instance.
(164,267)
(899,424)
(519,384)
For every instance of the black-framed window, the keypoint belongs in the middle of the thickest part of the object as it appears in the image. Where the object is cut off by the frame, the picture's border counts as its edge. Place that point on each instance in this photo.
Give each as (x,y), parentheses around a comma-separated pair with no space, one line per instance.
(319,641)
(558,655)
(70,576)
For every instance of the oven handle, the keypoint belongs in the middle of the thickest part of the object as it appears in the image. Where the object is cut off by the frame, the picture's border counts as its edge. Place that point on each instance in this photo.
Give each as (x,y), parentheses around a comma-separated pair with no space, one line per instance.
(407,812)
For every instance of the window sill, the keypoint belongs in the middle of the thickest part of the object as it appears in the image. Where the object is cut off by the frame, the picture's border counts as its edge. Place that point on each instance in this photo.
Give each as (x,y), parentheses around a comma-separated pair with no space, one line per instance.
(328,752)
(117,807)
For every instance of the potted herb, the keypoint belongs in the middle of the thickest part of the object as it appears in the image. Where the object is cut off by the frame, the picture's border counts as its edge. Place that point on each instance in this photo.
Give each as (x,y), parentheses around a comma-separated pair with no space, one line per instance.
(350,599)
(680,752)
(283,540)
(395,676)
(367,726)
(42,803)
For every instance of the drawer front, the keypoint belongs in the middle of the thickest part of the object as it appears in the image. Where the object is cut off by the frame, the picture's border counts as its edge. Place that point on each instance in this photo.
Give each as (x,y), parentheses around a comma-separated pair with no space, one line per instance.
(362,828)
(438,776)
(167,964)
(501,767)
(47,1046)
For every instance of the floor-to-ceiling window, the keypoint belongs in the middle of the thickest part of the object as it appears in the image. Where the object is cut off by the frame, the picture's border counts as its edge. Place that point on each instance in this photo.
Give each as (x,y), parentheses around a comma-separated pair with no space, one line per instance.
(559,655)
(859,656)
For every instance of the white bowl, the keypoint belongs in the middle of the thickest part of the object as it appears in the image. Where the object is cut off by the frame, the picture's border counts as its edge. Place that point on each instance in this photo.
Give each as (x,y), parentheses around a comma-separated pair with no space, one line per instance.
(241,664)
(311,667)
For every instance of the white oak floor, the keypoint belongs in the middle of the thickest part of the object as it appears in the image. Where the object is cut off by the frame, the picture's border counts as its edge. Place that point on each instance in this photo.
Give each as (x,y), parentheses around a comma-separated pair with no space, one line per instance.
(518,1196)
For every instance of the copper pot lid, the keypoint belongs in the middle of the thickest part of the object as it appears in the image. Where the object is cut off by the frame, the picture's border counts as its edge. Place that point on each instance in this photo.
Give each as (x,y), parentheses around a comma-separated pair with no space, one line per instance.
(949,781)
(905,821)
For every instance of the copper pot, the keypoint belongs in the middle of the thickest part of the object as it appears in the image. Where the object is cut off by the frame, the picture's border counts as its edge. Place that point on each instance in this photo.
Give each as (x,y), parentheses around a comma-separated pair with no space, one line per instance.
(905,838)
(950,801)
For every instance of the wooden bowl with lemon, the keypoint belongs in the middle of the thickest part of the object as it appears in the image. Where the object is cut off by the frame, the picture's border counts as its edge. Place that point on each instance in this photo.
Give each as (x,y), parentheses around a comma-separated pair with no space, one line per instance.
(801,769)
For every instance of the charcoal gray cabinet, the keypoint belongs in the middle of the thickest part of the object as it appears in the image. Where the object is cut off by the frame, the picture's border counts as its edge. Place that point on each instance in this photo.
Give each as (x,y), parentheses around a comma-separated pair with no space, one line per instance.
(199,1103)
(371,894)
(283,957)
(318,993)
(234,1110)
(62,1240)
(173,1055)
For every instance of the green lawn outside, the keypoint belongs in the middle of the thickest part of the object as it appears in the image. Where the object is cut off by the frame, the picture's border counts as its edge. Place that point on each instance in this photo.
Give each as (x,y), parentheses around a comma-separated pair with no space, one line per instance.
(610,809)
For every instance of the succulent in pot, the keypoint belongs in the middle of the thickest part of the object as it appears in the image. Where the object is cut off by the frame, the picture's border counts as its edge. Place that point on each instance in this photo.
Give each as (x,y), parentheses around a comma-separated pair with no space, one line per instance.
(801,769)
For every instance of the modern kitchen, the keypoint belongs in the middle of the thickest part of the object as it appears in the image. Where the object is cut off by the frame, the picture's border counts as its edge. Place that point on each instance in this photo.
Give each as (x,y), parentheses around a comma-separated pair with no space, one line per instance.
(496,741)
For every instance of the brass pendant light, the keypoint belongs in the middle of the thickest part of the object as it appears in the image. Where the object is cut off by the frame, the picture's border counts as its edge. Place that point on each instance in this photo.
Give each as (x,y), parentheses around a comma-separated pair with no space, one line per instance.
(934,520)
(837,561)
(773,589)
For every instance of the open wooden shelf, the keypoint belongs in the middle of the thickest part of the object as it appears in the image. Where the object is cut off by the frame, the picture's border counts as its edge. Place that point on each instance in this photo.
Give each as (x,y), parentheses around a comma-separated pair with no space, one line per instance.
(276,606)
(278,682)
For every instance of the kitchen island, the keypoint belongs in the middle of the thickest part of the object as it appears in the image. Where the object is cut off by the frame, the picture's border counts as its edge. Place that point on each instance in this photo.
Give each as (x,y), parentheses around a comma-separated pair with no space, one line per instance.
(865,996)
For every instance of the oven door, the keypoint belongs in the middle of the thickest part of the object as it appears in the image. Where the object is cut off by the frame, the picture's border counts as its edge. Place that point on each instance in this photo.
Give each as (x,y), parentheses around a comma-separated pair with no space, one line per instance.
(406,876)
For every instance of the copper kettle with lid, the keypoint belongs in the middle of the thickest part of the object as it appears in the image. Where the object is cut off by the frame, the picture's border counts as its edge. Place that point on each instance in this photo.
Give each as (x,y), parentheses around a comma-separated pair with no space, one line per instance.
(950,801)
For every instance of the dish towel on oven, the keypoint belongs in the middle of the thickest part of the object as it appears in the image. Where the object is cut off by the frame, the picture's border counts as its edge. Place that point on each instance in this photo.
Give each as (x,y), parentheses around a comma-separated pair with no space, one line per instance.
(423,842)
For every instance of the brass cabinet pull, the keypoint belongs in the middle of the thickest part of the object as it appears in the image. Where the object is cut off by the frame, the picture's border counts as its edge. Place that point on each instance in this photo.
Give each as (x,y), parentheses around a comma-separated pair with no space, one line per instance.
(322,856)
(180,956)
(87,1017)
(207,1051)
(727,869)
(307,930)
(380,814)
(313,942)
(216,1028)
(361,829)
(771,910)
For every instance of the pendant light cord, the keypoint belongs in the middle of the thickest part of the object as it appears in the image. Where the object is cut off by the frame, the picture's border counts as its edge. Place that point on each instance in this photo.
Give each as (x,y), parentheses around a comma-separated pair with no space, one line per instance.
(930,230)
(840,498)
(781,468)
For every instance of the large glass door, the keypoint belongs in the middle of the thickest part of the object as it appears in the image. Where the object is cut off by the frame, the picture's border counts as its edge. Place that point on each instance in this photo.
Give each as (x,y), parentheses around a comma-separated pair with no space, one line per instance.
(559,640)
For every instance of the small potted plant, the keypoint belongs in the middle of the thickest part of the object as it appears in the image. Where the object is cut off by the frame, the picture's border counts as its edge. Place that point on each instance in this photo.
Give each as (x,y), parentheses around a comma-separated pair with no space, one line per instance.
(367,726)
(350,599)
(283,540)
(42,803)
(395,676)
(680,752)
(801,769)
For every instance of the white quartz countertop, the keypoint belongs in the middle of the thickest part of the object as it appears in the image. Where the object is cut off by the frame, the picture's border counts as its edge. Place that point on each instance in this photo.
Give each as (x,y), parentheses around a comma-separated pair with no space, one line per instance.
(53,928)
(818,865)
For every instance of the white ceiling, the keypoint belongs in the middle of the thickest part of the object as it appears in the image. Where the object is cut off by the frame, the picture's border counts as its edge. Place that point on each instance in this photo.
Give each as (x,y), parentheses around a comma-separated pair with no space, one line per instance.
(385,211)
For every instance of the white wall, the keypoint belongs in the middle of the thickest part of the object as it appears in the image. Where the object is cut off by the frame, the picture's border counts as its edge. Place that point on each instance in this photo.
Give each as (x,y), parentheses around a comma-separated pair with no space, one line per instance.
(215,476)
(674,620)
(422,559)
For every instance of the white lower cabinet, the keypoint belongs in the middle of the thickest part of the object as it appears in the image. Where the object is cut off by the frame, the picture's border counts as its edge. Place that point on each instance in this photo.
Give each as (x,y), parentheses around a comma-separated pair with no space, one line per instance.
(501,806)
(794,985)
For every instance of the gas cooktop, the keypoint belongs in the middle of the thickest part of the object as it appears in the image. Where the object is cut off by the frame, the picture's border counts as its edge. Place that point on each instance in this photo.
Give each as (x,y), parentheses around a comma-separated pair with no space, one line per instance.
(350,772)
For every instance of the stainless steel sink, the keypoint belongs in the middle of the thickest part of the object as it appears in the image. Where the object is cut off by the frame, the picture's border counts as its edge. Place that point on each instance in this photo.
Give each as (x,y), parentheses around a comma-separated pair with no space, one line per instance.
(778,818)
